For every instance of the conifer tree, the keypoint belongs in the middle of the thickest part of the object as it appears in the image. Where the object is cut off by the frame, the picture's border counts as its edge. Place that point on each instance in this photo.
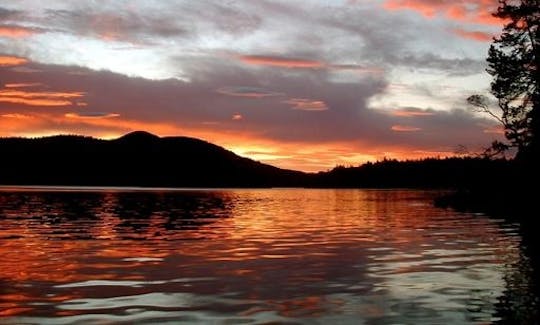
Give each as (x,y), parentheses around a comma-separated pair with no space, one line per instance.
(513,61)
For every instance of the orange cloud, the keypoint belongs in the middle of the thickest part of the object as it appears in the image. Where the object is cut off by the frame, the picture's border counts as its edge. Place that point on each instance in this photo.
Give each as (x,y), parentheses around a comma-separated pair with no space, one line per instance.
(39,98)
(474,35)
(297,63)
(307,104)
(22,85)
(404,128)
(15,31)
(96,115)
(425,9)
(474,11)
(16,116)
(290,63)
(410,113)
(11,60)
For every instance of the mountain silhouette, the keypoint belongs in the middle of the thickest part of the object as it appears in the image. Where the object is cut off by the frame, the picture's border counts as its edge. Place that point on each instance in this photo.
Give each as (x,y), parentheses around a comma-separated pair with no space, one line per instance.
(135,159)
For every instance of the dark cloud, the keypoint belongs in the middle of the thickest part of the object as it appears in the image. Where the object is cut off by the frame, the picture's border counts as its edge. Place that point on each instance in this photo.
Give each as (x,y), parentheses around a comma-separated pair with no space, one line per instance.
(121,25)
(7,14)
(245,91)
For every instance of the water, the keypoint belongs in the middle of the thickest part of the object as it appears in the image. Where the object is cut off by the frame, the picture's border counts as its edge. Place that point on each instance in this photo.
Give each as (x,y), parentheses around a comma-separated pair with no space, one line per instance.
(100,256)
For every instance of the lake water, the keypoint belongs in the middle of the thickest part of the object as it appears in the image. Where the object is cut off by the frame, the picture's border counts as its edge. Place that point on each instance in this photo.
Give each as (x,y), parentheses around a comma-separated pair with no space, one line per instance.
(103,256)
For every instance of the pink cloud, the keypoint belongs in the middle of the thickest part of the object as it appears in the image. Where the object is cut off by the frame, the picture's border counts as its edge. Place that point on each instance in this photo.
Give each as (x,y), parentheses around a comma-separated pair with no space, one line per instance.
(282,62)
(304,104)
(474,11)
(410,113)
(15,31)
(404,128)
(474,35)
(31,98)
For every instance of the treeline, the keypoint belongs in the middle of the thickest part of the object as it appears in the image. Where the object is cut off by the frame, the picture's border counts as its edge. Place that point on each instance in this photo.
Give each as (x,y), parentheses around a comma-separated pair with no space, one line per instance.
(454,173)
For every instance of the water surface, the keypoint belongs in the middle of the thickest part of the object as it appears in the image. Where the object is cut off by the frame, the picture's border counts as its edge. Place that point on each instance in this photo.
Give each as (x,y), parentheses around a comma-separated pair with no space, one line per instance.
(255,256)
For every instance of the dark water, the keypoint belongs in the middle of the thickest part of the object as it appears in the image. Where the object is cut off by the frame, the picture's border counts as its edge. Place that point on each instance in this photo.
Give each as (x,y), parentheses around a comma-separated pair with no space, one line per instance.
(256,256)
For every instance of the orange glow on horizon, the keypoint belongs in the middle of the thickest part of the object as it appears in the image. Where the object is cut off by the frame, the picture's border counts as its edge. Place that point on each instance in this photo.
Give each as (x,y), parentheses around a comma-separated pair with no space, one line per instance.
(304,156)
(308,157)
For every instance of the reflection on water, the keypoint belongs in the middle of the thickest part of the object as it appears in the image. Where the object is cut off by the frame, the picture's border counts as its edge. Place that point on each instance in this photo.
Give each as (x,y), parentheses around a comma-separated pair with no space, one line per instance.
(252,256)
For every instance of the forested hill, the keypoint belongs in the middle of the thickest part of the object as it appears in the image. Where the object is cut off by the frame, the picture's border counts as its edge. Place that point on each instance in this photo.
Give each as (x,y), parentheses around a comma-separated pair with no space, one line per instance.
(136,159)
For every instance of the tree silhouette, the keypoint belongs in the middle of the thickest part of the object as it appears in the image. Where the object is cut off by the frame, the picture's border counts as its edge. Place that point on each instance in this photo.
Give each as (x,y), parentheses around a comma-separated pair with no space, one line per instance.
(513,61)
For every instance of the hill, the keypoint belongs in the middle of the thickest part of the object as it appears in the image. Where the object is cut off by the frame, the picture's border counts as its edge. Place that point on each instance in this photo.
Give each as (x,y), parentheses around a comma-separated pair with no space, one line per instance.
(135,159)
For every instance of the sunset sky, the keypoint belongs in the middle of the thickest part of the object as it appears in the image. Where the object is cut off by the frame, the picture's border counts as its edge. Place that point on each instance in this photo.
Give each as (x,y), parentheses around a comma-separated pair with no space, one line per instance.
(302,84)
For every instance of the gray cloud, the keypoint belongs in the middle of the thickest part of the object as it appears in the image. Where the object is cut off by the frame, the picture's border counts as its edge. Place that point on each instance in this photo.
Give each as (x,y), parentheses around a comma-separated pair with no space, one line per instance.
(7,14)
(120,25)
(295,71)
(194,103)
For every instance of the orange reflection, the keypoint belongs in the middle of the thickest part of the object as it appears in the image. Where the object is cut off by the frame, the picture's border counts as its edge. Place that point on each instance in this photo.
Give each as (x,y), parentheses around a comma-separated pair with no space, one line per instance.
(277,248)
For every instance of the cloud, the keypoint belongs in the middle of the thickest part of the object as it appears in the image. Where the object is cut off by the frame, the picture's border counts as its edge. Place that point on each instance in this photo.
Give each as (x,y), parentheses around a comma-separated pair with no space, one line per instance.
(245,91)
(411,112)
(477,11)
(435,63)
(8,14)
(37,98)
(116,23)
(299,77)
(91,115)
(304,104)
(404,128)
(23,85)
(474,35)
(16,116)
(11,60)
(282,62)
(13,31)
(302,63)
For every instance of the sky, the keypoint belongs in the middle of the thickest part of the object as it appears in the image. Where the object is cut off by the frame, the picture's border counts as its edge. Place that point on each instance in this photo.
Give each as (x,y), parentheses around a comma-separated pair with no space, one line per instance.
(299,84)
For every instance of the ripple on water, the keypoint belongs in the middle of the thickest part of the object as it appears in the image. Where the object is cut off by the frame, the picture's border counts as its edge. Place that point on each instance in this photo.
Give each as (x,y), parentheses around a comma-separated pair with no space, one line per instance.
(253,256)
